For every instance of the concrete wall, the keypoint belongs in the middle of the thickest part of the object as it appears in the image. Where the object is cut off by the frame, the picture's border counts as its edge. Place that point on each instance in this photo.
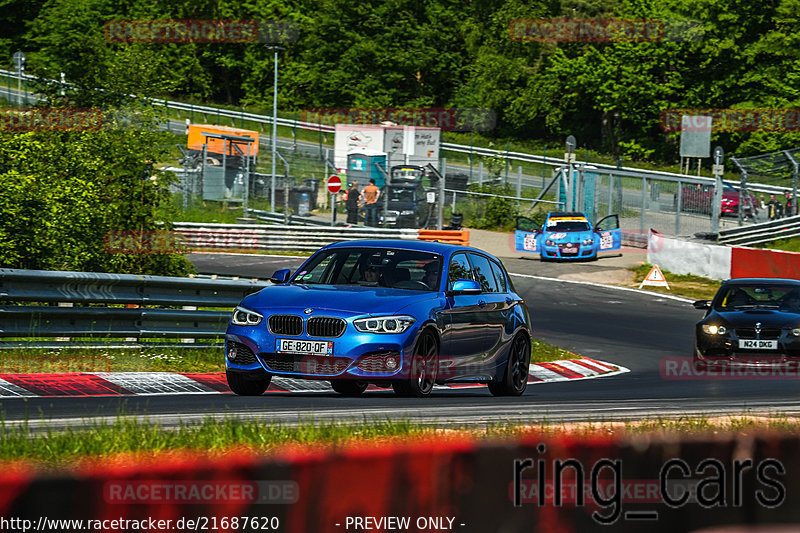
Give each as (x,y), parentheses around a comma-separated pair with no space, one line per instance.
(684,257)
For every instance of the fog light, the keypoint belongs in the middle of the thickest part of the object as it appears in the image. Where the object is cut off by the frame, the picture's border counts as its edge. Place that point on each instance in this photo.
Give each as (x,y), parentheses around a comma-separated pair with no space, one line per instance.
(232,353)
(796,332)
(391,363)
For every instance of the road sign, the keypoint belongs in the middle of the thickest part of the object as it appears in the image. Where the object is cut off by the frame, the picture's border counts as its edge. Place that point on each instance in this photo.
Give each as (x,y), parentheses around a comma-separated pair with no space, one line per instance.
(695,136)
(19,59)
(334,184)
(655,277)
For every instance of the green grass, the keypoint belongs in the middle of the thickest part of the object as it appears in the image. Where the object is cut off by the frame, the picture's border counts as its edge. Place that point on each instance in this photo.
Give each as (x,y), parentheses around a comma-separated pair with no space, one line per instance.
(687,285)
(50,448)
(167,359)
(37,361)
(541,352)
(787,245)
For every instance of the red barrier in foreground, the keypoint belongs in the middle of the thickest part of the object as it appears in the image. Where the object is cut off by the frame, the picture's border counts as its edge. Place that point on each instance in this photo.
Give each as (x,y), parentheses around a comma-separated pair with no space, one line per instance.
(754,263)
(643,483)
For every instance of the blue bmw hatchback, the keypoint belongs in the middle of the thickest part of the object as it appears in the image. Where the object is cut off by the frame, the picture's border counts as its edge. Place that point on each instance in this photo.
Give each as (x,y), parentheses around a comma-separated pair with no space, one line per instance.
(400,314)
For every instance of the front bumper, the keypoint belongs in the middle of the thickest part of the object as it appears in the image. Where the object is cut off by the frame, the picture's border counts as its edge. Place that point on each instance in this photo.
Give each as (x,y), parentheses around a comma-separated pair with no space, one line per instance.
(569,251)
(720,348)
(366,356)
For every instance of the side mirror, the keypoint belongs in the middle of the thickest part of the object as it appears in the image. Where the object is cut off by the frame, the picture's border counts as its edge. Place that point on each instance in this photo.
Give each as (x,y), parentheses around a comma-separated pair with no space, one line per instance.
(702,304)
(465,286)
(281,276)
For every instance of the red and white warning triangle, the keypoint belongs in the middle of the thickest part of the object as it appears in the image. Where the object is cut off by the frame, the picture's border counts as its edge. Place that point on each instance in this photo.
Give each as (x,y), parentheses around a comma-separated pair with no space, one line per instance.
(655,277)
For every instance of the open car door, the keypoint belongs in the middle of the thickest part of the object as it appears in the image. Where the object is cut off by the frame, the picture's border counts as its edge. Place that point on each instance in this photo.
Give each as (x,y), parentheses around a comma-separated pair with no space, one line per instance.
(527,236)
(610,233)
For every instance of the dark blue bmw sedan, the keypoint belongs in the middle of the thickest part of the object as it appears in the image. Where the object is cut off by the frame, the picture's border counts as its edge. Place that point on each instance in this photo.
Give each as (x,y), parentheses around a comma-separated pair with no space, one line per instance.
(400,314)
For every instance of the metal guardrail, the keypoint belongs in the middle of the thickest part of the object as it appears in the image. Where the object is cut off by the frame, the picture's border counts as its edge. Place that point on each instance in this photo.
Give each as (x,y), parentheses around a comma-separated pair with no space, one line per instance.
(773,230)
(518,156)
(66,305)
(254,237)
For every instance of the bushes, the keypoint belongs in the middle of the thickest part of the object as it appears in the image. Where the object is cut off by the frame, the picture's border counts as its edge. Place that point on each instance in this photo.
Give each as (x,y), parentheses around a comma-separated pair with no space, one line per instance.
(62,192)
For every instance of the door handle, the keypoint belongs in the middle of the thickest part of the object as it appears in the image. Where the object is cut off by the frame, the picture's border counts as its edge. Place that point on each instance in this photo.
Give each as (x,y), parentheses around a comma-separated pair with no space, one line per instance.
(481,303)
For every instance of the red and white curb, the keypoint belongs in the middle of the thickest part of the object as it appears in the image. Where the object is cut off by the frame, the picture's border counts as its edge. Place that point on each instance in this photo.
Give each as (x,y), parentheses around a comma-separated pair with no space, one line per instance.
(155,383)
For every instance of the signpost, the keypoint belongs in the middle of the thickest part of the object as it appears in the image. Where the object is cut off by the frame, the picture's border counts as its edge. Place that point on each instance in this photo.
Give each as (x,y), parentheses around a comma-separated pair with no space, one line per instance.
(717,169)
(568,181)
(334,185)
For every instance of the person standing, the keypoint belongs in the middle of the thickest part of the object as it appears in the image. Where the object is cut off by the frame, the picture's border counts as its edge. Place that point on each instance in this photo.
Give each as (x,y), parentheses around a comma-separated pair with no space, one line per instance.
(790,209)
(371,195)
(352,201)
(774,208)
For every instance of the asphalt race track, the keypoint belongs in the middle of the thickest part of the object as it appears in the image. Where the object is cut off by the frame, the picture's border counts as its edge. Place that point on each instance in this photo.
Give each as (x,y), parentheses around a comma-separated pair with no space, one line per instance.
(639,331)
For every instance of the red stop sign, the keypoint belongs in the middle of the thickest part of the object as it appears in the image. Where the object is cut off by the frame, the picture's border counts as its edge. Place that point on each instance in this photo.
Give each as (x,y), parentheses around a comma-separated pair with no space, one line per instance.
(334,184)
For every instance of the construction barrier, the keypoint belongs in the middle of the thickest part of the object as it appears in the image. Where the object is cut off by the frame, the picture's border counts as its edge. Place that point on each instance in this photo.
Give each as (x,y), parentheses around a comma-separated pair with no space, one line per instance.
(460,237)
(720,262)
(642,483)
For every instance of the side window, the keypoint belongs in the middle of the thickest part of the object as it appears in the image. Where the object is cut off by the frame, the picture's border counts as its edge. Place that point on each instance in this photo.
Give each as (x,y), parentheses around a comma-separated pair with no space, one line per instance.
(499,277)
(483,272)
(459,269)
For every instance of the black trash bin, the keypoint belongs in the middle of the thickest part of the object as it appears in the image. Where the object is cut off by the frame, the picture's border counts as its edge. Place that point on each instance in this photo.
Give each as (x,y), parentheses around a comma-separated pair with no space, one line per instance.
(455,182)
(300,199)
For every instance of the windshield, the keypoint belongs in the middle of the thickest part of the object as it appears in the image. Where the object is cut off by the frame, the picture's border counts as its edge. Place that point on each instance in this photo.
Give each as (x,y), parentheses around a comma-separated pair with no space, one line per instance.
(568,224)
(403,195)
(392,268)
(739,297)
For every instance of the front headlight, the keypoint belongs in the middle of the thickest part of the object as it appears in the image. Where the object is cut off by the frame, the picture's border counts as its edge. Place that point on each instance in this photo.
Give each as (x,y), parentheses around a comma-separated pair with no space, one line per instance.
(548,242)
(714,330)
(796,332)
(384,324)
(245,317)
(588,241)
(406,212)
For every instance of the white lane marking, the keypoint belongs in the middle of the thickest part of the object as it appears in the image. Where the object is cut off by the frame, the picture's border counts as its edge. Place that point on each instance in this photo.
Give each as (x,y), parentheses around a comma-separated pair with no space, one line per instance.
(593,284)
(154,382)
(9,390)
(545,374)
(601,364)
(594,366)
(582,370)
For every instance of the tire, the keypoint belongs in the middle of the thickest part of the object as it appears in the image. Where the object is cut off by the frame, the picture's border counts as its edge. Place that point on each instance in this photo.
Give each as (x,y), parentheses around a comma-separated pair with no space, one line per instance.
(349,387)
(424,369)
(515,377)
(246,387)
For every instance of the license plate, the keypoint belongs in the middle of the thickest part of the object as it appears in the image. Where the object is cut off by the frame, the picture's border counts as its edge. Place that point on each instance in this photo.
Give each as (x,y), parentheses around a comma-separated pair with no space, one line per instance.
(301,347)
(750,344)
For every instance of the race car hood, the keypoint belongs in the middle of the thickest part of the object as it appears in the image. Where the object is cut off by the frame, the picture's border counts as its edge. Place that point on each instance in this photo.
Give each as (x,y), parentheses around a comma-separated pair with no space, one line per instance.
(347,298)
(568,236)
(772,318)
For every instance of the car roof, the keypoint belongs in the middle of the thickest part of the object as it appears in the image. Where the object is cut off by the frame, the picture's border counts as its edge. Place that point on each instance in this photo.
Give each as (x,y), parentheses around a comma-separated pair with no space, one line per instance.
(762,281)
(567,214)
(421,246)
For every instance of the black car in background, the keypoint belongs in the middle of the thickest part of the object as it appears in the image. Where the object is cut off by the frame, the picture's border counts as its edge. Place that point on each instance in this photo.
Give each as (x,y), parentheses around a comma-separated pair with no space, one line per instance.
(750,320)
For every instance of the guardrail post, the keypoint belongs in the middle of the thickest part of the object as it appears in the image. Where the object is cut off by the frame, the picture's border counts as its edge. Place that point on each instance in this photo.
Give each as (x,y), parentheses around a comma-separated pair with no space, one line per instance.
(440,217)
(644,203)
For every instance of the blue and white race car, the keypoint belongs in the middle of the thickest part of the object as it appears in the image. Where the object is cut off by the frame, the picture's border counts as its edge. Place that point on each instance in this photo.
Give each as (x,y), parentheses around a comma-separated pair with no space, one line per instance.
(568,236)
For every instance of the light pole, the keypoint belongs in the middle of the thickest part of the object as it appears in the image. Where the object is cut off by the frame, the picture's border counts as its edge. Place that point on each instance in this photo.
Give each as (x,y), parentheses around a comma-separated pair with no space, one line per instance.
(276,49)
